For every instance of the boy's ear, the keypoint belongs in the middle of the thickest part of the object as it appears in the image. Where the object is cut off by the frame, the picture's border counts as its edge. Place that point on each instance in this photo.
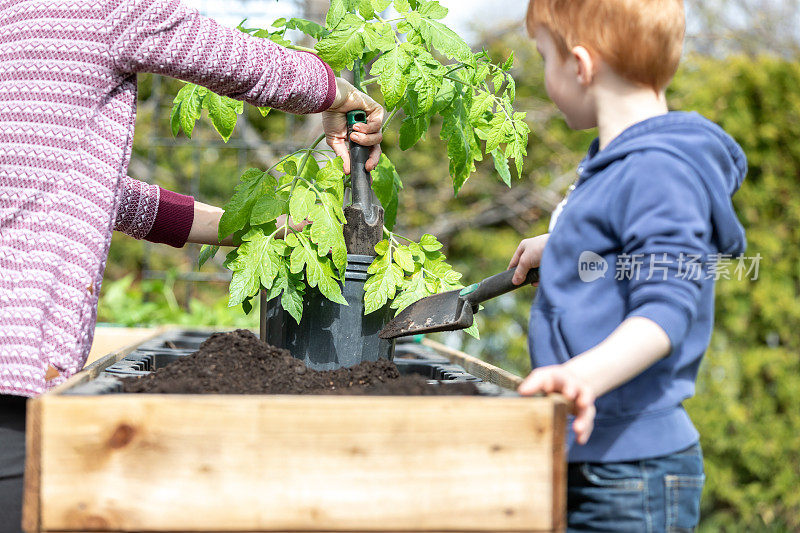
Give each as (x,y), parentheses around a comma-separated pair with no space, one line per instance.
(586,65)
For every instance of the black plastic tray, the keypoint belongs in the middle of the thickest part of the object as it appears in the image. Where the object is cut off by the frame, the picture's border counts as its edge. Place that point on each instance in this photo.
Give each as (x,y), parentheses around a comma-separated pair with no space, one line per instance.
(410,358)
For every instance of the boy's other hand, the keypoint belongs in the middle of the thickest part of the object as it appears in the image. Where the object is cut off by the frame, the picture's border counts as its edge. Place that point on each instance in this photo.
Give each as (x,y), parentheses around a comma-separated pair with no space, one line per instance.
(527,256)
(560,379)
(334,122)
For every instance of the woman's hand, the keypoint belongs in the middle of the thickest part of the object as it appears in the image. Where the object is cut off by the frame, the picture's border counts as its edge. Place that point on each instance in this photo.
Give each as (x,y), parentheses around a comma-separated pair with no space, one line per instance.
(527,256)
(561,379)
(334,122)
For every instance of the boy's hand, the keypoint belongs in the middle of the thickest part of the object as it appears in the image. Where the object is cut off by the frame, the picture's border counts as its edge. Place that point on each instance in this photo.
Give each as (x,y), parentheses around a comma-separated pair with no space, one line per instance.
(559,378)
(334,122)
(527,256)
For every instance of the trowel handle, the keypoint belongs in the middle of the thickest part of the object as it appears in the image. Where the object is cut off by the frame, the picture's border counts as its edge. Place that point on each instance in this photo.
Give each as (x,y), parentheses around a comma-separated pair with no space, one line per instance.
(496,285)
(359,178)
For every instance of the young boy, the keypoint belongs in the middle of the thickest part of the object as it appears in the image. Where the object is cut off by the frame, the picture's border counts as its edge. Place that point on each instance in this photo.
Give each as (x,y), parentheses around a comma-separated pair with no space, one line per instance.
(622,315)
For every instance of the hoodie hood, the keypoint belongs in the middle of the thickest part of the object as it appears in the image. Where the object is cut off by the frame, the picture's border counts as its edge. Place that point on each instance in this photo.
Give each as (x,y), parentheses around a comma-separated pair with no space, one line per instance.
(718,161)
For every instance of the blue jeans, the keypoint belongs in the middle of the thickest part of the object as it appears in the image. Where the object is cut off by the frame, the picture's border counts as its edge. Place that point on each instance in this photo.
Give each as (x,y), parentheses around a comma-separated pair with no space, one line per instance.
(652,495)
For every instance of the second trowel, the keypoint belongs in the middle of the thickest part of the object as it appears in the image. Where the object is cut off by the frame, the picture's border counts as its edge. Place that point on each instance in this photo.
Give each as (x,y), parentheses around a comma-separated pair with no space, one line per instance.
(451,310)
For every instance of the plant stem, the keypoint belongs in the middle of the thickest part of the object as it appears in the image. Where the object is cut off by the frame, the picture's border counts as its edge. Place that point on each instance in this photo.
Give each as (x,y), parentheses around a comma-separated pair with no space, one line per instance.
(368,81)
(301,48)
(308,153)
(389,119)
(357,75)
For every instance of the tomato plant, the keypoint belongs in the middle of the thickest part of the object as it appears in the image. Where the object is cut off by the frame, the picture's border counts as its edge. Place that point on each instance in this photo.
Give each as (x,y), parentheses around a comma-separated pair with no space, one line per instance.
(422,68)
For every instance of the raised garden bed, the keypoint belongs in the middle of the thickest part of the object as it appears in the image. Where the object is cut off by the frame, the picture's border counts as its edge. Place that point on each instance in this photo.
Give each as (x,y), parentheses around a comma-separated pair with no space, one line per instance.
(256,462)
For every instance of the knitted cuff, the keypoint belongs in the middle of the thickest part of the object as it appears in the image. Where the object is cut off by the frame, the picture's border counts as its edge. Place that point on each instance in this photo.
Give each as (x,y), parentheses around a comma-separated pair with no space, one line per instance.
(173,220)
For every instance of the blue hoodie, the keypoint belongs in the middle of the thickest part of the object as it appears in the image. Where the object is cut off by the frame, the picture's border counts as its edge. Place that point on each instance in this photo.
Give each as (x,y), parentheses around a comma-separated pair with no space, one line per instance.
(658,196)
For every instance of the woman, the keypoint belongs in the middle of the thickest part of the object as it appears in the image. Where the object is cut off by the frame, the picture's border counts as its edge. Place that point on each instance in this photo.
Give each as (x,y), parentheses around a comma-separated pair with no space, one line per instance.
(67,109)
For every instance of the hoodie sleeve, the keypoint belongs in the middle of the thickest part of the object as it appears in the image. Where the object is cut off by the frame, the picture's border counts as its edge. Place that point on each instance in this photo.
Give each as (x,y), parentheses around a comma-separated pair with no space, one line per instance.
(665,220)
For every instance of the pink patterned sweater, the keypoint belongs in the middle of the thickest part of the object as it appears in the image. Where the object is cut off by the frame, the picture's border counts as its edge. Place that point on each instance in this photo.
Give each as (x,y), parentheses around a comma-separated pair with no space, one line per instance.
(67,109)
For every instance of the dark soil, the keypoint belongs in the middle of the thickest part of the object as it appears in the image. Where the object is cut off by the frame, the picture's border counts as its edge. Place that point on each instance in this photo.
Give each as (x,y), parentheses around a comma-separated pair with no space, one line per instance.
(238,362)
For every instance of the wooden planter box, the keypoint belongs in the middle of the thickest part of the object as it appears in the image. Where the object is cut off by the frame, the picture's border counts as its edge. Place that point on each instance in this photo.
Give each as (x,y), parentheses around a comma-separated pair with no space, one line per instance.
(147,462)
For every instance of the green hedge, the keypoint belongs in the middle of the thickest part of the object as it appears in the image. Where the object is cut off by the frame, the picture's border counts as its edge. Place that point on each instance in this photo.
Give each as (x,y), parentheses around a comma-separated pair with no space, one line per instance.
(748,403)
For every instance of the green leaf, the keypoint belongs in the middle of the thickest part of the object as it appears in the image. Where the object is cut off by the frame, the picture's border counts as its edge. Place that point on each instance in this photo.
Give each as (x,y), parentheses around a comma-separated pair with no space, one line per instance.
(336,13)
(319,270)
(222,116)
(402,256)
(497,81)
(311,29)
(344,45)
(386,183)
(445,96)
(327,233)
(236,105)
(301,202)
(500,130)
(269,207)
(381,5)
(264,111)
(365,9)
(425,78)
(252,184)
(511,88)
(381,249)
(411,290)
(289,167)
(481,103)
(276,37)
(310,169)
(412,129)
(501,165)
(433,10)
(402,6)
(207,252)
(382,284)
(480,74)
(472,331)
(461,146)
(517,148)
(508,62)
(439,36)
(189,109)
(174,118)
(390,68)
(429,243)
(290,288)
(331,178)
(254,266)
(379,36)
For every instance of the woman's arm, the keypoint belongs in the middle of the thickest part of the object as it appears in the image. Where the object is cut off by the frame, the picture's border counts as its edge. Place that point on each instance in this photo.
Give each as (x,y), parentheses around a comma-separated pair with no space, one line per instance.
(205,226)
(149,212)
(166,37)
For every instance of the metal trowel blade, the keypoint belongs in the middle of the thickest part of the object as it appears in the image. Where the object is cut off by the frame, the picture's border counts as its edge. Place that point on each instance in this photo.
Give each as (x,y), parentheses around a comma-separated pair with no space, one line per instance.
(441,312)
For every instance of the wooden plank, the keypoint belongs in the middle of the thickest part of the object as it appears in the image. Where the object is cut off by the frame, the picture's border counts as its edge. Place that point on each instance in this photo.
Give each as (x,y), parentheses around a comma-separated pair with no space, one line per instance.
(109,339)
(476,367)
(559,456)
(281,463)
(91,371)
(31,509)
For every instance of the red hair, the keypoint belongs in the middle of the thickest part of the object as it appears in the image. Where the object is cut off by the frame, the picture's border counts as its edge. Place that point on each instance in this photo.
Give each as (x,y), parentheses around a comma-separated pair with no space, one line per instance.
(641,40)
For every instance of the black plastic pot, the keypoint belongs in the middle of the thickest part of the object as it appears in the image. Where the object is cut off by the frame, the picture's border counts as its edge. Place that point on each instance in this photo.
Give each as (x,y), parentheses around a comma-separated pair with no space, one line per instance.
(330,335)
